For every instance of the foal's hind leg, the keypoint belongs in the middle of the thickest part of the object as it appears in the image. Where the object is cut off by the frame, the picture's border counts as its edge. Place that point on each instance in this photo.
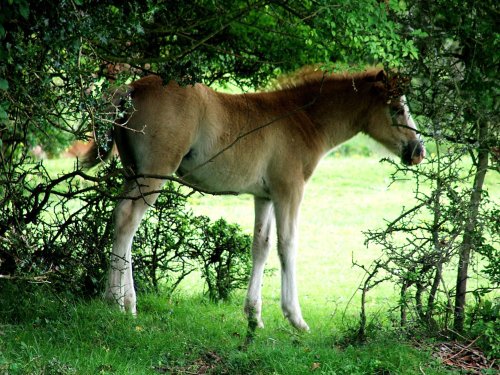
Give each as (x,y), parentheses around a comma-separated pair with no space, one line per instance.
(127,217)
(260,251)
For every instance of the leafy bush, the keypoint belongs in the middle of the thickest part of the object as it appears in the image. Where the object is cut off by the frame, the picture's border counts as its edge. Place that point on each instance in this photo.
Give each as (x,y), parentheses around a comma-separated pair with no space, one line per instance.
(168,243)
(172,243)
(484,321)
(59,231)
(162,249)
(225,258)
(56,230)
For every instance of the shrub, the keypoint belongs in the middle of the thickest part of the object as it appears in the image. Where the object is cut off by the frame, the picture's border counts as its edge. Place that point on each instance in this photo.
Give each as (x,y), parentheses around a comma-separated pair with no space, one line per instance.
(59,231)
(172,243)
(165,245)
(225,258)
(485,326)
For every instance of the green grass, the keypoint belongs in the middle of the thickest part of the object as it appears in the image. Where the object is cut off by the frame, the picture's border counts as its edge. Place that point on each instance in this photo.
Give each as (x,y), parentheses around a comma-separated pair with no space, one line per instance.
(182,335)
(185,334)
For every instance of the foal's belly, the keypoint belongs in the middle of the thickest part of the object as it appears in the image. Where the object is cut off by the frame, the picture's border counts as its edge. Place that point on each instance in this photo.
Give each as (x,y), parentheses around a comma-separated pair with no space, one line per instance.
(219,176)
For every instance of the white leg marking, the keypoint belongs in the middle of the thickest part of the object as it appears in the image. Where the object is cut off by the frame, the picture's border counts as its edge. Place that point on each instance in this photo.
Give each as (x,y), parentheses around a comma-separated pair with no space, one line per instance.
(287,216)
(127,216)
(120,288)
(260,251)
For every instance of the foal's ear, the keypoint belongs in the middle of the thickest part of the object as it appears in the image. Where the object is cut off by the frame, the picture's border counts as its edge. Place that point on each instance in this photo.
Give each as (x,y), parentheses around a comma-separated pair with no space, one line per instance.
(381,76)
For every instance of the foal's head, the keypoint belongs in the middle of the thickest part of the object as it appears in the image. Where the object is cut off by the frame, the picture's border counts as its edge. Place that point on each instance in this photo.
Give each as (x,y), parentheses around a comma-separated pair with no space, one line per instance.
(391,123)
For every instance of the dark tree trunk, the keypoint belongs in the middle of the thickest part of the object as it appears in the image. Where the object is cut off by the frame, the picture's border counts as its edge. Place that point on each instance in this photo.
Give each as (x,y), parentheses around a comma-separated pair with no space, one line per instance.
(469,239)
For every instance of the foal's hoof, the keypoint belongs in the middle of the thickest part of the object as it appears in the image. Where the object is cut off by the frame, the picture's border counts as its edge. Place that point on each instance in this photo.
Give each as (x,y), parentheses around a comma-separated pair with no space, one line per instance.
(254,323)
(302,326)
(299,324)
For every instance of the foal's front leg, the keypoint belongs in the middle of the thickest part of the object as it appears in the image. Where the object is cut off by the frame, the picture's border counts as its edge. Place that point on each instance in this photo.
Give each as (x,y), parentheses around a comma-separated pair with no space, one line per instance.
(260,251)
(287,217)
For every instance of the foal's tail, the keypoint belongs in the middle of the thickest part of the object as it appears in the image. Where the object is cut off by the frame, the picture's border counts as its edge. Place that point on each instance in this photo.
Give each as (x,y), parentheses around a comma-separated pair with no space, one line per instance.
(102,143)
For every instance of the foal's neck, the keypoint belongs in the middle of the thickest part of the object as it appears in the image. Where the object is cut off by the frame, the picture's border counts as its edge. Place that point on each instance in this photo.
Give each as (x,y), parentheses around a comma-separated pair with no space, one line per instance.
(338,109)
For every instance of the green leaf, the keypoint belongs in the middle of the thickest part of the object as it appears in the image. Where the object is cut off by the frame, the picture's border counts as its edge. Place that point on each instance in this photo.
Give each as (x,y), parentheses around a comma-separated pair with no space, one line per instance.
(24,10)
(419,33)
(4,85)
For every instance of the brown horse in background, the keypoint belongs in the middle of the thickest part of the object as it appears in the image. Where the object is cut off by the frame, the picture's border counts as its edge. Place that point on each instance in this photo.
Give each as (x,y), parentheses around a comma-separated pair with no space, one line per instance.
(266,144)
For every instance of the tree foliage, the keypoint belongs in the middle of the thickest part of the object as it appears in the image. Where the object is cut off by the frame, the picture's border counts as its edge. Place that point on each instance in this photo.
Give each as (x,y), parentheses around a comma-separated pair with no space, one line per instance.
(455,223)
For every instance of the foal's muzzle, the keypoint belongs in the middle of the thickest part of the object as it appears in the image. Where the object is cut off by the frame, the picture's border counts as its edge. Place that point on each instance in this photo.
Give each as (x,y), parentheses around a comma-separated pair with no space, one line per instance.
(413,152)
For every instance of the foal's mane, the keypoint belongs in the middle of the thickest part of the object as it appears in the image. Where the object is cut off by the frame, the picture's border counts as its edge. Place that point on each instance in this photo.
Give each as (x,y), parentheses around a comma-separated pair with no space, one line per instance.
(314,74)
(387,85)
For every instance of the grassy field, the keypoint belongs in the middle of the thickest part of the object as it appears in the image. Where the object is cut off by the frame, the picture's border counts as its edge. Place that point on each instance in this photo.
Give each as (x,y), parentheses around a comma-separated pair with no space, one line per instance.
(186,334)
